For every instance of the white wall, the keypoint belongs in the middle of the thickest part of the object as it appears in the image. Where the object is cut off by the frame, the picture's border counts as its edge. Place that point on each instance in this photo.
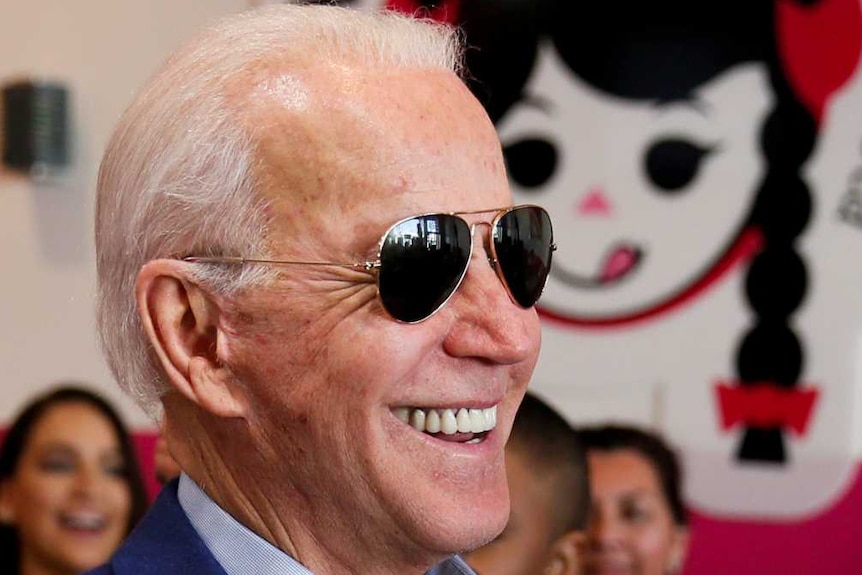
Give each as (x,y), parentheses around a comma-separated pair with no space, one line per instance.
(102,50)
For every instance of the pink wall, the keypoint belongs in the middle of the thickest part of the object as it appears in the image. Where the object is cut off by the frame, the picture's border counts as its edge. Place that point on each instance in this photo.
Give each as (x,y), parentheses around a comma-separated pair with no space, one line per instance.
(827,544)
(146,444)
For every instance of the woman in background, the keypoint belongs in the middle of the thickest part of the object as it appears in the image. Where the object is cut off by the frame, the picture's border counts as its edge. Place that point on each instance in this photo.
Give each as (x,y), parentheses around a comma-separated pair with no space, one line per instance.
(638,524)
(70,485)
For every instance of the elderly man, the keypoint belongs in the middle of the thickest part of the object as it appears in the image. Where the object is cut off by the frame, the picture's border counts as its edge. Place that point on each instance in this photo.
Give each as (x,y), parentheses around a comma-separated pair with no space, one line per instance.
(309,263)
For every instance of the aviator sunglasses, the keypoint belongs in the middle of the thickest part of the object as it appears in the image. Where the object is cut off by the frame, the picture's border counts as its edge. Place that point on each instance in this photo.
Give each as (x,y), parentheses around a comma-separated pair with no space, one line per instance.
(422,259)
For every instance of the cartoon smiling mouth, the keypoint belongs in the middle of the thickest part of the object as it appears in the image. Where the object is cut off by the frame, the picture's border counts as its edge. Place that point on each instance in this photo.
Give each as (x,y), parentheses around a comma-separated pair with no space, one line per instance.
(619,262)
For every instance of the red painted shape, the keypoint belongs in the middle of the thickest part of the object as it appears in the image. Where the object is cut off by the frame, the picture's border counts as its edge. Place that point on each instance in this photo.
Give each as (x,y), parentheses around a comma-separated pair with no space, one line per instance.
(446,11)
(765,405)
(819,45)
(749,243)
(595,203)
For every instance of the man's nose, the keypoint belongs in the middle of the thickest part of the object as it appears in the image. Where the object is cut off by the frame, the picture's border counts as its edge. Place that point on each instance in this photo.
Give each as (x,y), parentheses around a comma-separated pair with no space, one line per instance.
(487,323)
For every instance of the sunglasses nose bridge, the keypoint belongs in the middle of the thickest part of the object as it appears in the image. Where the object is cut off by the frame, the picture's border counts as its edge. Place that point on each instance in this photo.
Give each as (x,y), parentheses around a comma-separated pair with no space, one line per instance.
(485,241)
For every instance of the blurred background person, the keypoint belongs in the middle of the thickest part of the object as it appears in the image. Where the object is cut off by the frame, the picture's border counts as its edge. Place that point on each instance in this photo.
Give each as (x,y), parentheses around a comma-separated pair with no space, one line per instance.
(546,468)
(70,485)
(638,523)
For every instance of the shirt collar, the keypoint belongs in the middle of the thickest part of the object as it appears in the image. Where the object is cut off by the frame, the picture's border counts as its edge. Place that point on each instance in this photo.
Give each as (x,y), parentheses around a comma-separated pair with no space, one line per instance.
(239,550)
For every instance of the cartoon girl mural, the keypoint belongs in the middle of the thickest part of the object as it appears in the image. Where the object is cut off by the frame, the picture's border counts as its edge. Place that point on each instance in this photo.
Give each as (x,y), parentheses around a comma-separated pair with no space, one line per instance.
(668,145)
(668,140)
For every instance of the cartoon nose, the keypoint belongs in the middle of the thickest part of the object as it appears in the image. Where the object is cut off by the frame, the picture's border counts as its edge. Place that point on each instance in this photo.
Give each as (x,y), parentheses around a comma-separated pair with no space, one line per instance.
(595,203)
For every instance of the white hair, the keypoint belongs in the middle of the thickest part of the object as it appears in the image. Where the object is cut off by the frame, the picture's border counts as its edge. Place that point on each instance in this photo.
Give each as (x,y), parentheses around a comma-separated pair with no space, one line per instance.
(177,176)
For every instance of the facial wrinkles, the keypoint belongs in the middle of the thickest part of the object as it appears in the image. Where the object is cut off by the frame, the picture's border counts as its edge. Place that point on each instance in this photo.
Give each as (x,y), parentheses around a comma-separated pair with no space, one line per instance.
(345,152)
(313,509)
(416,136)
(322,368)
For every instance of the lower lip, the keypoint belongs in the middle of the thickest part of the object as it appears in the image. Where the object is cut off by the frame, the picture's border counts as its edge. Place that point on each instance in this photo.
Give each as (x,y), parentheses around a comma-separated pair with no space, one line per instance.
(82,531)
(466,438)
(490,442)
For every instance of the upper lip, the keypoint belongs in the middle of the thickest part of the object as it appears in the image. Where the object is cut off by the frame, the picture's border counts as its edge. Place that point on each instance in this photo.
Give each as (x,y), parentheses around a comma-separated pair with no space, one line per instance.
(454,406)
(437,403)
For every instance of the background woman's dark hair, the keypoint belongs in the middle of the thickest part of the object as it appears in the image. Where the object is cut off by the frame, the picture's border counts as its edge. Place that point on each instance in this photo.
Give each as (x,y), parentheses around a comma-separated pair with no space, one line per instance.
(658,453)
(15,442)
(664,51)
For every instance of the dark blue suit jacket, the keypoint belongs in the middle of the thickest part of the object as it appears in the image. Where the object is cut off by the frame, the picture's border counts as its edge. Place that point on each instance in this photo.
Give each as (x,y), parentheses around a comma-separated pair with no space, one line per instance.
(164,543)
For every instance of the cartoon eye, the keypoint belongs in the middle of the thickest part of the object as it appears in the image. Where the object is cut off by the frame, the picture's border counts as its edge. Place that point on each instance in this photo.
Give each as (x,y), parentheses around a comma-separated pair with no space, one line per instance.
(672,164)
(531,162)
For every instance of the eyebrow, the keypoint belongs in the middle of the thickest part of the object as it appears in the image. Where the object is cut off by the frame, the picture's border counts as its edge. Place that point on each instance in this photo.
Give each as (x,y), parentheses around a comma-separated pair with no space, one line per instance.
(640,495)
(56,447)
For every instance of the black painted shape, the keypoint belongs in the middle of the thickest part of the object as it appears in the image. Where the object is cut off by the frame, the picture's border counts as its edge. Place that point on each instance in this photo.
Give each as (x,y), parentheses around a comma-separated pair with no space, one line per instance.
(762,445)
(672,164)
(531,162)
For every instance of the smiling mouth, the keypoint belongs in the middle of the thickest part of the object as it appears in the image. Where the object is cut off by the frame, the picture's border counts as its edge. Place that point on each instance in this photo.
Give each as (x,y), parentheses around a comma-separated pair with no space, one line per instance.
(84,522)
(459,425)
(619,263)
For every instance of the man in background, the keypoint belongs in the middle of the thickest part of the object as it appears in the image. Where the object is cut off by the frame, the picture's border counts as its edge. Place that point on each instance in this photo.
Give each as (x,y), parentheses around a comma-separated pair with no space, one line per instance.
(550,497)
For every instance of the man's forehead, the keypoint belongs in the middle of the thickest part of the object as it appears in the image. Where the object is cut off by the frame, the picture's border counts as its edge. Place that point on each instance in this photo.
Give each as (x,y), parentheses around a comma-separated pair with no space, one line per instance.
(359,122)
(355,148)
(297,93)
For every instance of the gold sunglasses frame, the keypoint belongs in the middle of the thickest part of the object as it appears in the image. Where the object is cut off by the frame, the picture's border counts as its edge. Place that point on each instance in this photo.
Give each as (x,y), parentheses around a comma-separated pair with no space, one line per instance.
(373,267)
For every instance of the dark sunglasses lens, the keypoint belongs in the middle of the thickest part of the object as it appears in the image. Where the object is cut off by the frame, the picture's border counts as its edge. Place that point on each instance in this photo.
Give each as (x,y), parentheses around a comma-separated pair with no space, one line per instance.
(422,261)
(523,240)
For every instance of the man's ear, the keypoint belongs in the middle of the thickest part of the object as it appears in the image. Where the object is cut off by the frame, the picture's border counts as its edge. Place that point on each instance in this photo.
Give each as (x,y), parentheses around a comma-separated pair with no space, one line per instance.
(565,555)
(181,320)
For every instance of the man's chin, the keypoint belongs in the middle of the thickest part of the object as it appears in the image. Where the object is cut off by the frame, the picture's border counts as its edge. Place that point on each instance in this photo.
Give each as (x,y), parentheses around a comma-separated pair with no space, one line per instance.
(460,528)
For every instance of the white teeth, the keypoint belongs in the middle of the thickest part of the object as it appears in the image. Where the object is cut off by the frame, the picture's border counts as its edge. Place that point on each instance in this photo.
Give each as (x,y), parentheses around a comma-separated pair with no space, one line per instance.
(87,521)
(432,422)
(477,419)
(402,413)
(417,419)
(463,421)
(449,421)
